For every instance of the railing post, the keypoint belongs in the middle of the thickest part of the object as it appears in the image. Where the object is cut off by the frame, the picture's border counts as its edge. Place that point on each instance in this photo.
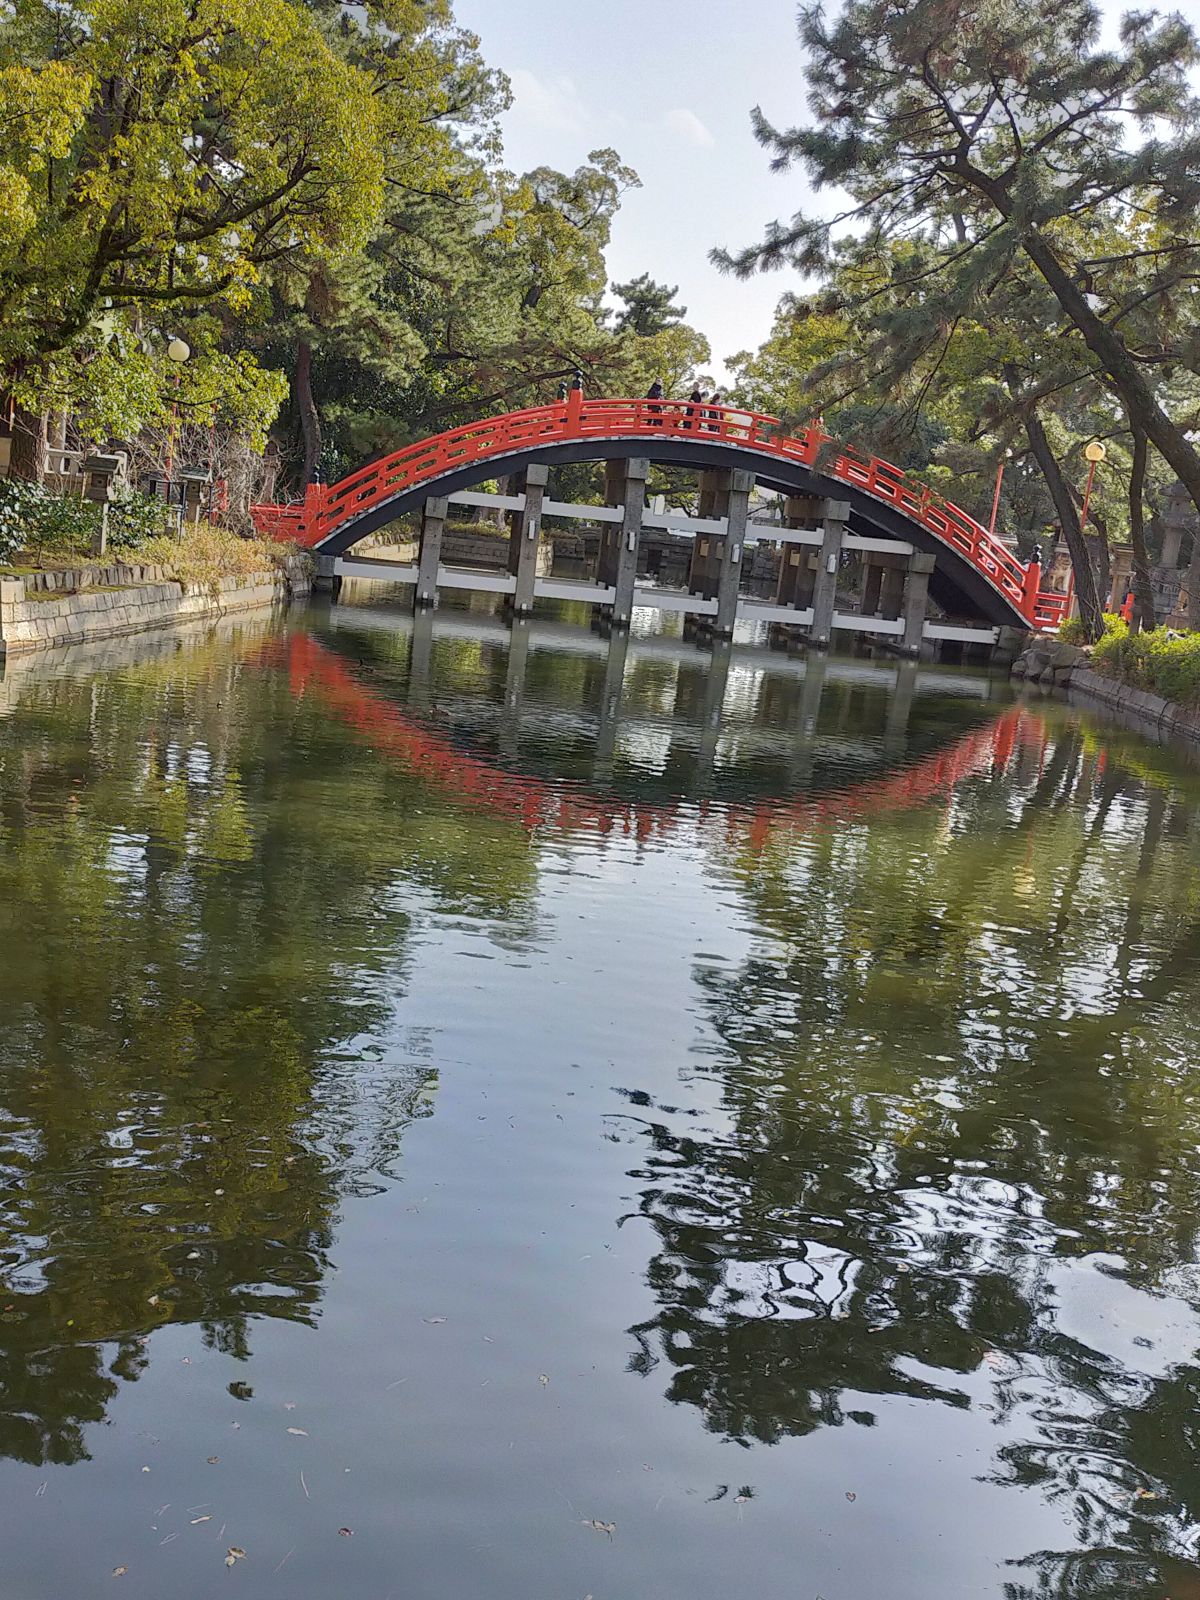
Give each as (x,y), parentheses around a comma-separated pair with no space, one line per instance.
(1031,589)
(575,411)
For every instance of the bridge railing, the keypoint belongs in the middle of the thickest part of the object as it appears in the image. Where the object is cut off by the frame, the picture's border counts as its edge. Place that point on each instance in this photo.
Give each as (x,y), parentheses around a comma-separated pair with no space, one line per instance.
(324,510)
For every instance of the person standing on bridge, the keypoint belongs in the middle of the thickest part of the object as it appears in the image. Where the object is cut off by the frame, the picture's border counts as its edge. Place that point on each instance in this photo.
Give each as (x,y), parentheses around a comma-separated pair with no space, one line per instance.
(714,417)
(655,392)
(695,401)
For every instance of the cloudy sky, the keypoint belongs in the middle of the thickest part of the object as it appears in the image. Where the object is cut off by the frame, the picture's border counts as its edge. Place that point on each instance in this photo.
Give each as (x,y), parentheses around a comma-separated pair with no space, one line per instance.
(669,84)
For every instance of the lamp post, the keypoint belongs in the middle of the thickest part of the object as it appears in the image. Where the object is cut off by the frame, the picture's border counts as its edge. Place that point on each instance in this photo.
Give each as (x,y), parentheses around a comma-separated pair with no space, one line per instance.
(178,351)
(1094,454)
(1004,460)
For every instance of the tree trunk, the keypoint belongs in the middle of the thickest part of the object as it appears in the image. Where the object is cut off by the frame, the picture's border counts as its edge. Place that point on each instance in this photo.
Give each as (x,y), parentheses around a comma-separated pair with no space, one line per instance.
(28,457)
(1085,577)
(1118,370)
(310,417)
(1143,593)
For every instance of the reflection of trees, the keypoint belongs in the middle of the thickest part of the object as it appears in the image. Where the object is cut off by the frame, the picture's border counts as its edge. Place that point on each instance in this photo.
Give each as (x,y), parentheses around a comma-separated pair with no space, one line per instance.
(205,889)
(959,1056)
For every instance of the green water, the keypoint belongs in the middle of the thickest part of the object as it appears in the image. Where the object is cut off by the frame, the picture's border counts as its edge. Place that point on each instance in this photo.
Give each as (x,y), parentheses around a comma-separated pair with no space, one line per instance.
(486,1122)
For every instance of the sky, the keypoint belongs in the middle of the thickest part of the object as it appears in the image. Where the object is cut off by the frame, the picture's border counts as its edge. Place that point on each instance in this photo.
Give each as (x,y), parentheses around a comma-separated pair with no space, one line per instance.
(669,84)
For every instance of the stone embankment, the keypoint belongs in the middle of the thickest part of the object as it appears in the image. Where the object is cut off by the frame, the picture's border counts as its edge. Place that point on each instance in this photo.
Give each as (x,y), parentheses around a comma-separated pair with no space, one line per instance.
(1055,665)
(42,610)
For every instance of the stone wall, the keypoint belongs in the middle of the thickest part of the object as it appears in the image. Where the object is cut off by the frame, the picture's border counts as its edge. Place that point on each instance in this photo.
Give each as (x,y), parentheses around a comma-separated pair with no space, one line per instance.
(1056,665)
(46,609)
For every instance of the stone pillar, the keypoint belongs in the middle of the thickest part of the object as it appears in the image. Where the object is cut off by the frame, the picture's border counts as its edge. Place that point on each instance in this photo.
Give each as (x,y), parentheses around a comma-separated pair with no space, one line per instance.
(891,600)
(836,514)
(326,580)
(525,528)
(916,600)
(883,584)
(737,513)
(433,522)
(620,568)
(872,585)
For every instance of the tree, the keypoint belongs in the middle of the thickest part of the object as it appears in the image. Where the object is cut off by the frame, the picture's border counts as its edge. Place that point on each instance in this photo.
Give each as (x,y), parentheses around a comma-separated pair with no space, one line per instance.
(169,161)
(647,307)
(1001,132)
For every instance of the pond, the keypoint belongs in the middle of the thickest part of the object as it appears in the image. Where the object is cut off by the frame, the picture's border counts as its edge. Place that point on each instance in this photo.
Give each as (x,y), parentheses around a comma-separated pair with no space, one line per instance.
(486,1118)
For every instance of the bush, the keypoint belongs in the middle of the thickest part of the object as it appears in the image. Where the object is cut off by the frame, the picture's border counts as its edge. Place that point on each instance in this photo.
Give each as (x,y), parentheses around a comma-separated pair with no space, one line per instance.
(134,518)
(47,524)
(204,554)
(1072,631)
(1165,663)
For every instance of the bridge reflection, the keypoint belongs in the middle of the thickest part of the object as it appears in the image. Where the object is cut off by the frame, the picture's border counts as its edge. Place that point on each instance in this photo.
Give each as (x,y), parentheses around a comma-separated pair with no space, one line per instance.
(655,729)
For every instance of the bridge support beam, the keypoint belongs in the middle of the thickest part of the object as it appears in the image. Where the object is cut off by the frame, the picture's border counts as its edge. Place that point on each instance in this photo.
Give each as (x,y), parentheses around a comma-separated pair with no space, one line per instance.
(433,523)
(916,600)
(625,486)
(736,513)
(525,529)
(883,585)
(835,514)
(325,579)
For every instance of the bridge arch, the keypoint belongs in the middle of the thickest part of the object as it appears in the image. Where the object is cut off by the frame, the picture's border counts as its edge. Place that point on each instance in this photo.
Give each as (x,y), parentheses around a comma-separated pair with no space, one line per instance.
(975,574)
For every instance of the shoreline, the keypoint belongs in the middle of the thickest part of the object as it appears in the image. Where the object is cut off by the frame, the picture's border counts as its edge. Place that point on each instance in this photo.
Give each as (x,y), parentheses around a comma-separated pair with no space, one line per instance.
(54,610)
(1065,669)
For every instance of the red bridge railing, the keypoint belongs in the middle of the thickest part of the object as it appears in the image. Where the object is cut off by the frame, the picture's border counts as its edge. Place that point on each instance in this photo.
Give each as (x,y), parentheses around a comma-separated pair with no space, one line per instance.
(326,509)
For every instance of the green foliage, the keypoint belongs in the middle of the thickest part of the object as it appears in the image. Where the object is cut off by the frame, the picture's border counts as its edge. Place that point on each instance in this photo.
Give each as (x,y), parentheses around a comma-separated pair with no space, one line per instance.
(135,518)
(647,307)
(44,524)
(1168,664)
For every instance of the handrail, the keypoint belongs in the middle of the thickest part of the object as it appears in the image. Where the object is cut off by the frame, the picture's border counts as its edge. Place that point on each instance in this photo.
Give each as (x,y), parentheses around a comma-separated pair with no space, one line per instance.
(326,509)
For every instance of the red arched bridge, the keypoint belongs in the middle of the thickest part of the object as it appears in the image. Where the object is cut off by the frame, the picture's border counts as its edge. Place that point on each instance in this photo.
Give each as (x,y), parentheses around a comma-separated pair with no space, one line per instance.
(974,574)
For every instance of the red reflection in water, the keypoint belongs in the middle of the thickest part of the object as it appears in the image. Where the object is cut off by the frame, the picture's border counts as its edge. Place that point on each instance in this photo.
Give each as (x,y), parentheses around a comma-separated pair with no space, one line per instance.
(535,803)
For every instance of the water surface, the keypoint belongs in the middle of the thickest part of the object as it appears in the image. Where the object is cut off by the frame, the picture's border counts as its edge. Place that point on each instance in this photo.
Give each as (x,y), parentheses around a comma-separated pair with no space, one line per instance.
(489,1117)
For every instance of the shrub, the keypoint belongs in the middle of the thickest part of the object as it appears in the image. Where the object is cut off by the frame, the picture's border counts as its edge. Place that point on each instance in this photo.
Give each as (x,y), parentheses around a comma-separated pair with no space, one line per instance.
(47,524)
(203,555)
(1072,631)
(1166,663)
(134,518)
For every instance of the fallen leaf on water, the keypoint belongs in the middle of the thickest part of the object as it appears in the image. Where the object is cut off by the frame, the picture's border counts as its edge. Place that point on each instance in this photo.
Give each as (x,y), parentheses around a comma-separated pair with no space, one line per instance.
(543,1379)
(299,1432)
(119,1572)
(601,1527)
(741,1499)
(433,1321)
(235,1553)
(193,1255)
(153,1300)
(212,1460)
(346,1533)
(218,1191)
(195,1520)
(850,1495)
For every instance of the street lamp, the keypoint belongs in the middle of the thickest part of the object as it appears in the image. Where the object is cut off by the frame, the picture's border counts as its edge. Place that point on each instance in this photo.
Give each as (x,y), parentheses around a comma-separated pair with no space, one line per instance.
(178,351)
(1094,453)
(1004,460)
